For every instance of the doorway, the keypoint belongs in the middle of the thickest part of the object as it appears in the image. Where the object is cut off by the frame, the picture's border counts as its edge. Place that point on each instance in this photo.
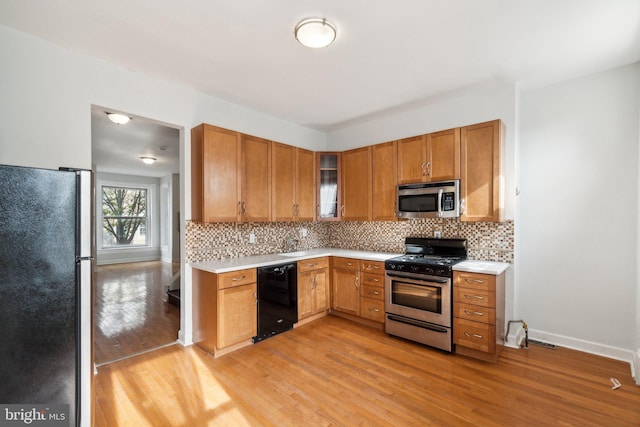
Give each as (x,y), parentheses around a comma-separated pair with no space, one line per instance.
(137,235)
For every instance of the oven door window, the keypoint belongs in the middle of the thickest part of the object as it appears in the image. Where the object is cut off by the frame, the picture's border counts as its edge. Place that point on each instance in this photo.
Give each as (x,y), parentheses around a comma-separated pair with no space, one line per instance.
(421,297)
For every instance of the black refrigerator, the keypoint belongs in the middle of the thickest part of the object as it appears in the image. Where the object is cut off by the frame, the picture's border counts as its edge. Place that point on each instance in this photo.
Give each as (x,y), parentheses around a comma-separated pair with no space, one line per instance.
(45,293)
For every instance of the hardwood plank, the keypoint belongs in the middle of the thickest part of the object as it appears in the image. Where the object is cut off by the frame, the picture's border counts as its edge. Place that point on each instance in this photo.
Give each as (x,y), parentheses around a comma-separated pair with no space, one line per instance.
(130,315)
(334,372)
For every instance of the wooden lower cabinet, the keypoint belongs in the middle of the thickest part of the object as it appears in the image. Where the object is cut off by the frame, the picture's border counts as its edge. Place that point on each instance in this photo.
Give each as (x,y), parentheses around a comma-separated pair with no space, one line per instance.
(346,286)
(313,287)
(478,314)
(224,310)
(372,290)
(358,289)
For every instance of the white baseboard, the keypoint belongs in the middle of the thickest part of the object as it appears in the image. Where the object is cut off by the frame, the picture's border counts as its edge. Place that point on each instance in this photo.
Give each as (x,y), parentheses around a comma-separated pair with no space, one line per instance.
(635,366)
(603,350)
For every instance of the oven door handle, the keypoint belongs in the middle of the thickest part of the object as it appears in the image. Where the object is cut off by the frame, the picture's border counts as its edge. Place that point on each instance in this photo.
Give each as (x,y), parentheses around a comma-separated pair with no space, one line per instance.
(418,323)
(417,277)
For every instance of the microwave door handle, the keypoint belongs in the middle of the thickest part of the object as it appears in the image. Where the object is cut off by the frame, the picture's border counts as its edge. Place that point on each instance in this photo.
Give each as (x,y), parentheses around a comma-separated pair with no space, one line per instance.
(440,202)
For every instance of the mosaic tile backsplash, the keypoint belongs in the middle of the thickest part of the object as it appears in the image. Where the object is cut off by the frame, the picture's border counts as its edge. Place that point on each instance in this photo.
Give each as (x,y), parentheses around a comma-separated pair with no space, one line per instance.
(487,241)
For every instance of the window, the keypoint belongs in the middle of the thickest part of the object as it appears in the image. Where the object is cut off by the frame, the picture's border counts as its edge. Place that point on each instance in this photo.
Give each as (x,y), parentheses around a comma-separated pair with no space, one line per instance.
(124,216)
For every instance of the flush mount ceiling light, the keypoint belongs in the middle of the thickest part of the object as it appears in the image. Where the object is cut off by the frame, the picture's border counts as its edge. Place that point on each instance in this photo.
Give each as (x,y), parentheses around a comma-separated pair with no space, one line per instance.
(119,119)
(148,160)
(315,32)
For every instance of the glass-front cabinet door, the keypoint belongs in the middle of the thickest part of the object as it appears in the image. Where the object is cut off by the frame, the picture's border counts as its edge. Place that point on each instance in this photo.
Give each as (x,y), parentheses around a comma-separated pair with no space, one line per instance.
(328,208)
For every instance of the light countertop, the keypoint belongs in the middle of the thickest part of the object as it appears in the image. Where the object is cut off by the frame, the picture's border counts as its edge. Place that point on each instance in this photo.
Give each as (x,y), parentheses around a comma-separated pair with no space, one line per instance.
(232,264)
(484,267)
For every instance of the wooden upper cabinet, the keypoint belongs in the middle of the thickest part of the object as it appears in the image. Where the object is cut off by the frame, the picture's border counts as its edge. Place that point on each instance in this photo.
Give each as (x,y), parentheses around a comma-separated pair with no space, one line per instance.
(443,155)
(293,183)
(305,185)
(480,153)
(431,157)
(356,184)
(256,179)
(412,159)
(384,176)
(283,181)
(215,174)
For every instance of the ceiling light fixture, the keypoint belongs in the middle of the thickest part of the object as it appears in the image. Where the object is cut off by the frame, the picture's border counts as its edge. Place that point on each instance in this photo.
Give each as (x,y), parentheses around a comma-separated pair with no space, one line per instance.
(315,32)
(119,119)
(148,160)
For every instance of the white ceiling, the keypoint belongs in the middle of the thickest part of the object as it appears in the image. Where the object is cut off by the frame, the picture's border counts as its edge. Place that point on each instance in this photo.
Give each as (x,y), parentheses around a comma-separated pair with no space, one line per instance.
(118,148)
(387,54)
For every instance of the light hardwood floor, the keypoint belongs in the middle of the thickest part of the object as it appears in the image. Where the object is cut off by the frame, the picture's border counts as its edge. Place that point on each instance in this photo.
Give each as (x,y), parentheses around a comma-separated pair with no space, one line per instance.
(333,372)
(129,313)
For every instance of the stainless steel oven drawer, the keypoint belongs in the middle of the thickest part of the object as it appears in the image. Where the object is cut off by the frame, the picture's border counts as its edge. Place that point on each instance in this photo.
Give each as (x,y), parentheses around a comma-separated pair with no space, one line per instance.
(418,331)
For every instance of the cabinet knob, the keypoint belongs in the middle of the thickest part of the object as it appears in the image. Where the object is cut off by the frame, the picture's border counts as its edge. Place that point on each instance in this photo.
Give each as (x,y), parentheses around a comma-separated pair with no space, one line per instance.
(235,279)
(478,297)
(374,293)
(374,309)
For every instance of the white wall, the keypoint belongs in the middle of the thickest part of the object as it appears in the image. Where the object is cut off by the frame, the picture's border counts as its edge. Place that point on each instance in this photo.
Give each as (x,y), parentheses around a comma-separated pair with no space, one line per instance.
(578,212)
(46,94)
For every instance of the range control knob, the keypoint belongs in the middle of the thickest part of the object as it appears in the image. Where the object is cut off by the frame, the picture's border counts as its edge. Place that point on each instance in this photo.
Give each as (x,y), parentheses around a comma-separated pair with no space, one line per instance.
(428,270)
(415,268)
(441,271)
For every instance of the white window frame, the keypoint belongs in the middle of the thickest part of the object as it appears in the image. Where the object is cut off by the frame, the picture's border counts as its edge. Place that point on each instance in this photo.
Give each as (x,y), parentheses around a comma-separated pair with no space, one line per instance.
(150,230)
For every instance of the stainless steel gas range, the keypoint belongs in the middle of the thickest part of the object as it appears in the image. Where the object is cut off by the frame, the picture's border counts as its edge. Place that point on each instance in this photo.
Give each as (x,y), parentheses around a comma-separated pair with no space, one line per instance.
(418,290)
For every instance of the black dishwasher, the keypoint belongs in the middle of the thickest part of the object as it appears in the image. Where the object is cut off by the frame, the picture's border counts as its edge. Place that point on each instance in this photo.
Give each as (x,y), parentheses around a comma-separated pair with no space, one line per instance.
(277,299)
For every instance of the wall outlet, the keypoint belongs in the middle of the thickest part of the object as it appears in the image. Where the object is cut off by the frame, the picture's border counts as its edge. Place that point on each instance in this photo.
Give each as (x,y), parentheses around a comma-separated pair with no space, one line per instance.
(437,234)
(252,238)
(303,232)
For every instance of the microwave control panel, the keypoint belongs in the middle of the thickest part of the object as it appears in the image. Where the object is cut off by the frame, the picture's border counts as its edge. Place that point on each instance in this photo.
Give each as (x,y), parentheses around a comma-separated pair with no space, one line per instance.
(448,201)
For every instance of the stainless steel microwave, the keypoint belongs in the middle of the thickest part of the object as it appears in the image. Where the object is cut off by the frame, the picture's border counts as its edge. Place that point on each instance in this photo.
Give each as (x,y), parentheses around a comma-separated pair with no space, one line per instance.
(428,200)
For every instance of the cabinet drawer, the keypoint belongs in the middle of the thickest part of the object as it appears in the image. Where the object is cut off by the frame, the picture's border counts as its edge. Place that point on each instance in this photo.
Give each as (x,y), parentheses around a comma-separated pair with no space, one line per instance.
(372,279)
(237,278)
(312,264)
(373,292)
(372,309)
(345,263)
(372,266)
(475,335)
(475,281)
(475,313)
(474,297)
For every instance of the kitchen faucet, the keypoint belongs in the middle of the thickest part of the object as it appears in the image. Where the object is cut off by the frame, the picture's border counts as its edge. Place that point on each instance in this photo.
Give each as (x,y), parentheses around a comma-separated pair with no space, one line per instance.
(290,244)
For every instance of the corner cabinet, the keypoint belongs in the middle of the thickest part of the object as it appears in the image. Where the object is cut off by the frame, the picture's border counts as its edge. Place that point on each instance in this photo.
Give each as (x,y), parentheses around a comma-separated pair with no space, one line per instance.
(356,184)
(478,314)
(224,310)
(230,179)
(480,171)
